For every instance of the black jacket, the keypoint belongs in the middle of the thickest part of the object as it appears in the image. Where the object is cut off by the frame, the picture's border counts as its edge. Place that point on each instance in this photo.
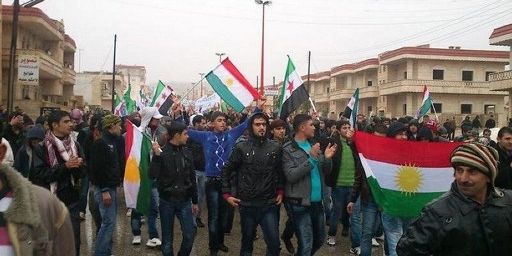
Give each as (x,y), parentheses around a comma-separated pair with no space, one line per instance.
(106,160)
(332,178)
(455,225)
(504,177)
(68,180)
(174,173)
(16,140)
(198,153)
(254,169)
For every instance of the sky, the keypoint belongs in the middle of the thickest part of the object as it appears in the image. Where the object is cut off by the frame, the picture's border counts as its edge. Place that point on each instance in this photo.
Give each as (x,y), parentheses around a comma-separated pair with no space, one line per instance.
(177,40)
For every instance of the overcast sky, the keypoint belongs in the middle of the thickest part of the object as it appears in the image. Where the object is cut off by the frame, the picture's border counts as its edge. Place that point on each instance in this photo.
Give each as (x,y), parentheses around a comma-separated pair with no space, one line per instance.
(176,40)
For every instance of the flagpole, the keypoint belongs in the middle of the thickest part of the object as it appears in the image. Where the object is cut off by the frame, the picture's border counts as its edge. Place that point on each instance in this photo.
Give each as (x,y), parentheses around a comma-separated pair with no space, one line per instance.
(114,75)
(435,112)
(309,73)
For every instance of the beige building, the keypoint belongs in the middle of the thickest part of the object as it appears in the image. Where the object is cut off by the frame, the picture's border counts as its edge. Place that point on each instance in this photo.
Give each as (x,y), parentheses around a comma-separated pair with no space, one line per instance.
(502,81)
(392,84)
(44,39)
(136,76)
(96,88)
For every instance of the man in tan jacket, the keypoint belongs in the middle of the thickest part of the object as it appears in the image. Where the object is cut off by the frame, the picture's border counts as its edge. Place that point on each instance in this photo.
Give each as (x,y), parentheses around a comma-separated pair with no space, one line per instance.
(32,220)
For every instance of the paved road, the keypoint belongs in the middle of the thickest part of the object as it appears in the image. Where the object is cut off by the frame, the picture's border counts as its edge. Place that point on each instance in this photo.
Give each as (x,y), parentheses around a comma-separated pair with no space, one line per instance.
(123,238)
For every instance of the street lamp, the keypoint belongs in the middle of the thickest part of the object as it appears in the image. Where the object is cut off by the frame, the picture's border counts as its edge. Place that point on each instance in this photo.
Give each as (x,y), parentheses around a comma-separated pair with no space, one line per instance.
(201,93)
(12,57)
(220,54)
(263,4)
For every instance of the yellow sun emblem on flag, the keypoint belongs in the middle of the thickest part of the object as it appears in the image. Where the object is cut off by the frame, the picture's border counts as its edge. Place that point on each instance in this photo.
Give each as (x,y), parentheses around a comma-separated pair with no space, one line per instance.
(229,82)
(408,179)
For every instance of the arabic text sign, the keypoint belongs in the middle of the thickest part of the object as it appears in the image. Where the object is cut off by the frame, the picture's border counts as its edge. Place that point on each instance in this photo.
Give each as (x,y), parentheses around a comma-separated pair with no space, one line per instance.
(207,102)
(28,69)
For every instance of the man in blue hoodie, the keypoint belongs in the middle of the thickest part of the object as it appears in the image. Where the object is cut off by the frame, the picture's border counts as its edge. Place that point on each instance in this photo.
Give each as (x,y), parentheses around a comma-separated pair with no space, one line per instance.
(217,145)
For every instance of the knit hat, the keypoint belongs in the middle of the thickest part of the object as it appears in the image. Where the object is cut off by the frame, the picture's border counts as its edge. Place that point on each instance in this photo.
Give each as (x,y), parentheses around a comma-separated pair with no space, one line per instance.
(277,123)
(36,132)
(110,120)
(395,128)
(483,158)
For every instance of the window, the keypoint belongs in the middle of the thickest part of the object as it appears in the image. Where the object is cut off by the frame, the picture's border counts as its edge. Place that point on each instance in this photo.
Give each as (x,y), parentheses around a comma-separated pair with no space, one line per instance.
(327,89)
(369,109)
(489,109)
(466,108)
(25,93)
(438,107)
(467,75)
(370,83)
(404,109)
(405,75)
(437,74)
(487,74)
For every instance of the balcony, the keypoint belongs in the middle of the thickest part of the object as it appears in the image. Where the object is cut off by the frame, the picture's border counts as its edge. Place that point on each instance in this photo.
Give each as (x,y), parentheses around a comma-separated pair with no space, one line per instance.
(369,92)
(338,94)
(437,86)
(501,81)
(68,77)
(320,97)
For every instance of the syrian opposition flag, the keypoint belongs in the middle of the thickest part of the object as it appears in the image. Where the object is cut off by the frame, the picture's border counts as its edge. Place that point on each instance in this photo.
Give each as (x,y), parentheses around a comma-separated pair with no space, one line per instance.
(292,93)
(137,184)
(352,108)
(405,175)
(232,86)
(162,92)
(119,107)
(426,103)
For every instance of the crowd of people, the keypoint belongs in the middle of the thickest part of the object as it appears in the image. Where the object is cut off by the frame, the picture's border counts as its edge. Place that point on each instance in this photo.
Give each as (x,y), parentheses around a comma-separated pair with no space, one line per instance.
(252,162)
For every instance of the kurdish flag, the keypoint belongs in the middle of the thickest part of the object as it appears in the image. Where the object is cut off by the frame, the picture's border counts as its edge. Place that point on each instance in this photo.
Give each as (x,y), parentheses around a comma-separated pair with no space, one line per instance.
(426,103)
(162,92)
(232,86)
(405,175)
(137,184)
(352,108)
(292,93)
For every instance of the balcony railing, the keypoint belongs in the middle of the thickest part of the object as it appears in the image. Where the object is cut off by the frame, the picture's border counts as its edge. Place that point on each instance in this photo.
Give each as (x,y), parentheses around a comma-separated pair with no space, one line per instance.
(500,76)
(435,83)
(69,76)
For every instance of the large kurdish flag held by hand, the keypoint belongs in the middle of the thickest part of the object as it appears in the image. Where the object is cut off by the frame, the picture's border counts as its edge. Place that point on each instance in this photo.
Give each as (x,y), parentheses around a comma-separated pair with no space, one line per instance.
(137,185)
(405,175)
(232,86)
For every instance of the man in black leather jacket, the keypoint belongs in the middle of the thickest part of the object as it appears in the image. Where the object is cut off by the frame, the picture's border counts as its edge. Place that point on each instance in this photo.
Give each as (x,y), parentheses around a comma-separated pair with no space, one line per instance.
(254,168)
(172,167)
(473,218)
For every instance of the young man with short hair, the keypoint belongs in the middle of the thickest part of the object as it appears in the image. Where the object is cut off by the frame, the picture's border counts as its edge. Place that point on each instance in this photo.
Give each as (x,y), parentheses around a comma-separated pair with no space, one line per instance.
(305,167)
(172,167)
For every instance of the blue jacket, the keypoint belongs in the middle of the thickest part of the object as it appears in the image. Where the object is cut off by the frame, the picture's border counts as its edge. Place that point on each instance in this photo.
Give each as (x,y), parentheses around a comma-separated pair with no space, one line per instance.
(217,146)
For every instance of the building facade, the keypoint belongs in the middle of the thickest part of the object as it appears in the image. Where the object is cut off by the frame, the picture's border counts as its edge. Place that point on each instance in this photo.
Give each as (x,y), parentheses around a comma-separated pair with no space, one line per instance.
(392,84)
(45,40)
(96,88)
(136,76)
(502,81)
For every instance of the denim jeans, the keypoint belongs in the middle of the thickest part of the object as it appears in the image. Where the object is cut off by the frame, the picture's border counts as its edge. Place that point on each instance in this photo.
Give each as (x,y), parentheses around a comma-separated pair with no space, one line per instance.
(268,219)
(227,221)
(328,203)
(200,181)
(370,213)
(394,227)
(94,210)
(152,216)
(289,229)
(108,222)
(216,213)
(74,215)
(340,199)
(309,222)
(183,211)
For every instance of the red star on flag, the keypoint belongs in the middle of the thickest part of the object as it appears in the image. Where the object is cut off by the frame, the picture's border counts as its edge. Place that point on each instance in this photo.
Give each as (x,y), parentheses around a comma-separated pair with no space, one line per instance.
(290,86)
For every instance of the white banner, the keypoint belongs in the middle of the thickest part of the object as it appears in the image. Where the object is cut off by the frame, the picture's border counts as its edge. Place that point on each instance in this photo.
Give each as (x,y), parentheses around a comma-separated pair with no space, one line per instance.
(207,102)
(28,69)
(272,92)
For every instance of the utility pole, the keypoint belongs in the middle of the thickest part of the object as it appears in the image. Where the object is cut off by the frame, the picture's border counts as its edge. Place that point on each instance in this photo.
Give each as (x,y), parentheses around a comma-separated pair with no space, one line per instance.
(80,59)
(12,55)
(220,54)
(114,75)
(201,93)
(263,3)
